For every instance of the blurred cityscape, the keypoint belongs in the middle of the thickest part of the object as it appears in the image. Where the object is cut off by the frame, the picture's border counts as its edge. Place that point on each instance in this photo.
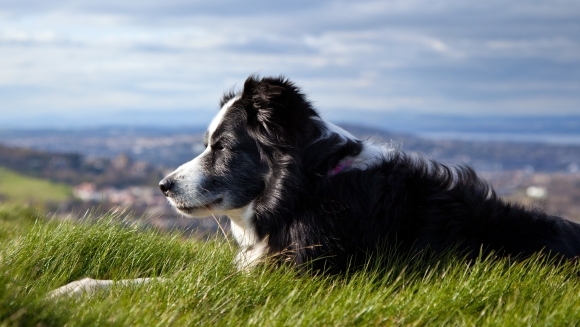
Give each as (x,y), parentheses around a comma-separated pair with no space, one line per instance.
(119,169)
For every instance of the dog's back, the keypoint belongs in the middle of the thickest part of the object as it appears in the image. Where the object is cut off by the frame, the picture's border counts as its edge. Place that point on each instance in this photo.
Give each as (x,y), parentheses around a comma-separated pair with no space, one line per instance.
(408,204)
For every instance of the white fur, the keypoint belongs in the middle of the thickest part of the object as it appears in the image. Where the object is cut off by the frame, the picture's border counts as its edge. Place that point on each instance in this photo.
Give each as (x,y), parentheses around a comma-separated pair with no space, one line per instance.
(89,285)
(252,251)
(216,121)
(250,256)
(242,227)
(329,128)
(371,155)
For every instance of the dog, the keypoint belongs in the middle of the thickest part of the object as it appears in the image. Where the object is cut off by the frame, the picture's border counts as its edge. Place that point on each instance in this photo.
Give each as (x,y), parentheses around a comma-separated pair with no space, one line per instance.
(304,190)
(301,190)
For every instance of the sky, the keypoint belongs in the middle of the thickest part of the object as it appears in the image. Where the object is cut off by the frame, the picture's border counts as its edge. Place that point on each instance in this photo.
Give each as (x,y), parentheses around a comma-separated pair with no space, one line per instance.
(67,62)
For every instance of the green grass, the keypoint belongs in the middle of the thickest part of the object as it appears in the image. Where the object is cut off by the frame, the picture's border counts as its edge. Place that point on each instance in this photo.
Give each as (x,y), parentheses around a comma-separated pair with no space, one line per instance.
(15,187)
(204,288)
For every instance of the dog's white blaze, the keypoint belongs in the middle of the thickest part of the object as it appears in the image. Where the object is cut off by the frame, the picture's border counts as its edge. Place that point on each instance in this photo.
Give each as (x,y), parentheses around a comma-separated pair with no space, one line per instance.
(216,121)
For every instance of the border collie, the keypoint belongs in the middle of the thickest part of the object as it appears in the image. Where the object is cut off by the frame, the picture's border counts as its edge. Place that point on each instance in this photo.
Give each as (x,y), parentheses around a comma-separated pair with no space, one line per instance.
(302,190)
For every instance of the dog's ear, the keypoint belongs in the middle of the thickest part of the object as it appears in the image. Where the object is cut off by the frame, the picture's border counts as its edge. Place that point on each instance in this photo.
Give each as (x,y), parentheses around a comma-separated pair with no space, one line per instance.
(278,114)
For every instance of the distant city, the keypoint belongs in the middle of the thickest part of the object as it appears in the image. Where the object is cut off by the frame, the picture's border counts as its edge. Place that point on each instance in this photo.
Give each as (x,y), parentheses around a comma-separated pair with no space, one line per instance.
(119,166)
(168,148)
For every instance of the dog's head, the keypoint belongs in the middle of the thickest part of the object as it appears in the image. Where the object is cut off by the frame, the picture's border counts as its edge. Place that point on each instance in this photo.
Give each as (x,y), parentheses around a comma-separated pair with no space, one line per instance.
(268,118)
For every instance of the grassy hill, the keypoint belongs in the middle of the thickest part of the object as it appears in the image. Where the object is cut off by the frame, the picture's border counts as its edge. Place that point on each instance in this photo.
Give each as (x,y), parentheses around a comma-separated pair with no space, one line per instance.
(15,187)
(204,289)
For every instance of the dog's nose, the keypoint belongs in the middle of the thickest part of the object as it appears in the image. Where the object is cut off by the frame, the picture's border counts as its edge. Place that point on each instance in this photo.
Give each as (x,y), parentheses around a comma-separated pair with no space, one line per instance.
(165,185)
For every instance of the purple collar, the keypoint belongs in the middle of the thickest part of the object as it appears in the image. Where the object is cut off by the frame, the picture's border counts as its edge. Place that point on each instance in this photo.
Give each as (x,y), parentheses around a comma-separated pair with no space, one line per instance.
(340,167)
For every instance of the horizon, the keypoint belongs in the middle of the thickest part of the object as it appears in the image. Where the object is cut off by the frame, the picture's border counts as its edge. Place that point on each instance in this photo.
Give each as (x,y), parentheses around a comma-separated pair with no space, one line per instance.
(550,129)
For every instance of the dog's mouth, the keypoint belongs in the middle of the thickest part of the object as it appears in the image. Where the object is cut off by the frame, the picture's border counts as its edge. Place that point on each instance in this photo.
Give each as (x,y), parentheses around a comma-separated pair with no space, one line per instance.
(207,206)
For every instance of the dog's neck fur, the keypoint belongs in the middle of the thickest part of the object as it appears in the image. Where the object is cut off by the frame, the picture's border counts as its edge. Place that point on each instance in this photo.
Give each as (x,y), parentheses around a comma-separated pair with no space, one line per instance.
(254,247)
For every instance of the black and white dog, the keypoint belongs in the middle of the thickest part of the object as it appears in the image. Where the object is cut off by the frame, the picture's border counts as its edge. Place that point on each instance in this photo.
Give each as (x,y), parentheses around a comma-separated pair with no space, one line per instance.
(302,190)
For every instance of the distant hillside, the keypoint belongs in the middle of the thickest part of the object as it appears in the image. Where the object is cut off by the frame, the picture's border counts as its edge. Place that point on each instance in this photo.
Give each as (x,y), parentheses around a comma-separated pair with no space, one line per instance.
(15,187)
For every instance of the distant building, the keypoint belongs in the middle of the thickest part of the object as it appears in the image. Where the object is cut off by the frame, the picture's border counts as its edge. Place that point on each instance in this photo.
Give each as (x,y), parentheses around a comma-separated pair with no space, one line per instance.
(536,192)
(87,192)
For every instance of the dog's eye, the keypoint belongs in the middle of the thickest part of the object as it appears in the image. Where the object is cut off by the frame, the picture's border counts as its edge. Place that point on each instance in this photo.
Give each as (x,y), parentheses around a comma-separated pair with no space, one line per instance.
(217,147)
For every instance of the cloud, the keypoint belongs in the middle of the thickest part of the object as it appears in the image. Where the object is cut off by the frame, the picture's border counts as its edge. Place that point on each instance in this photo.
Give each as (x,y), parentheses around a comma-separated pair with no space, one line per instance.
(413,55)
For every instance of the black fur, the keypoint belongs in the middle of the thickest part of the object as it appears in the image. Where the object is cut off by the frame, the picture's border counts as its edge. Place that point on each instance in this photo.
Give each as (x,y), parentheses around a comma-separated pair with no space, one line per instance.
(404,202)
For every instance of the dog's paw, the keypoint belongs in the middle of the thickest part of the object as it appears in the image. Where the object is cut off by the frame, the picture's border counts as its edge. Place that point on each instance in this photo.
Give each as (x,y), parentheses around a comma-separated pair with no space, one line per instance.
(85,285)
(89,286)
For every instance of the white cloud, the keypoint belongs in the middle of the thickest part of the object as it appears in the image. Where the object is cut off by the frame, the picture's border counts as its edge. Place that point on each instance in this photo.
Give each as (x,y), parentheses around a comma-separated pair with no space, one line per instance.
(448,56)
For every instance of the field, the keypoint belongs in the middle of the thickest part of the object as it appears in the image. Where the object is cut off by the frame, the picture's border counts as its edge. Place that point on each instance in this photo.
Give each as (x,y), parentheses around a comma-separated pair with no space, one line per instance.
(15,187)
(37,255)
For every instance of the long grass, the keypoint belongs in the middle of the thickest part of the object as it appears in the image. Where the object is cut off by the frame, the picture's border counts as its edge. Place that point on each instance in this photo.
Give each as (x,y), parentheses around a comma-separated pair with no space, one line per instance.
(201,287)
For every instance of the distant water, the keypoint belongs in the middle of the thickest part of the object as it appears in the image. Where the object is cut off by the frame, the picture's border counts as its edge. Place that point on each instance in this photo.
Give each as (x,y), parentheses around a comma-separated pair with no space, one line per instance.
(570,139)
